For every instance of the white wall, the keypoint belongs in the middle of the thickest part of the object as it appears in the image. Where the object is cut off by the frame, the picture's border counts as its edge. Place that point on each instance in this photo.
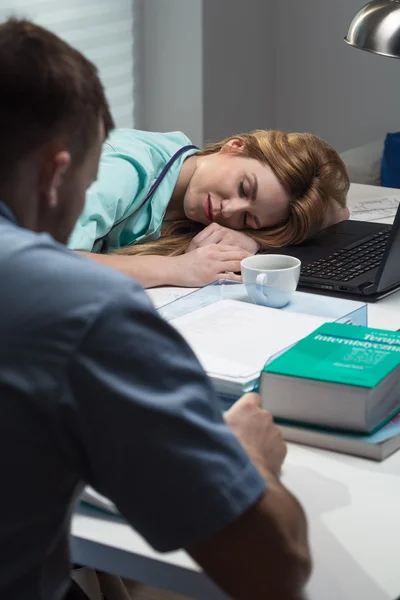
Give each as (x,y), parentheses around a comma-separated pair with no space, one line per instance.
(216,67)
(238,66)
(206,66)
(169,48)
(346,96)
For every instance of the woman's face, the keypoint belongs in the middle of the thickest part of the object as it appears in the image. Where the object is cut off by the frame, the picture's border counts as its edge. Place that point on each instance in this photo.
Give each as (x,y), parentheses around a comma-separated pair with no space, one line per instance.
(234,191)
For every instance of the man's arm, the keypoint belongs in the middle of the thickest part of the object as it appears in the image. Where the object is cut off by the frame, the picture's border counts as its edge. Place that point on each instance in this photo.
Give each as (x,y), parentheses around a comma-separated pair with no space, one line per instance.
(171,465)
(264,553)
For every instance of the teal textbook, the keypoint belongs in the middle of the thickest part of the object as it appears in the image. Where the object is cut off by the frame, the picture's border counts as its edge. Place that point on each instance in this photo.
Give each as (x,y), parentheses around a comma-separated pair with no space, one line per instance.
(339,376)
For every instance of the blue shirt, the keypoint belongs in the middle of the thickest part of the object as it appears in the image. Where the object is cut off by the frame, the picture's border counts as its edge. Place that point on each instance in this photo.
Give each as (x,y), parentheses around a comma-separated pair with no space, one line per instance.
(96,388)
(131,161)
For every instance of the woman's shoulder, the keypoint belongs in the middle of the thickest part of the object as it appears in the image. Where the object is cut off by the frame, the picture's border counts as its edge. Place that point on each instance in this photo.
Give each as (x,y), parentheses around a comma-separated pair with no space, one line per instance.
(135,141)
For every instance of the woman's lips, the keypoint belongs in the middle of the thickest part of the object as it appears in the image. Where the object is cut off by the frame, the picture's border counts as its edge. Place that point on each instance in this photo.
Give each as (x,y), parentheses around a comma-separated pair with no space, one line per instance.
(208,209)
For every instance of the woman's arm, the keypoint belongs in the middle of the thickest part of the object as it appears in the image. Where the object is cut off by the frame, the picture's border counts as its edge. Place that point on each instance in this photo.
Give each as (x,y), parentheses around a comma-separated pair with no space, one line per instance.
(150,271)
(195,269)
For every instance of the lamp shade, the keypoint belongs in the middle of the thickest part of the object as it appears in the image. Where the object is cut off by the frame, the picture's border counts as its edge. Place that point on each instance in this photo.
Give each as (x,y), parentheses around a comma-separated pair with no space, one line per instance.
(376,28)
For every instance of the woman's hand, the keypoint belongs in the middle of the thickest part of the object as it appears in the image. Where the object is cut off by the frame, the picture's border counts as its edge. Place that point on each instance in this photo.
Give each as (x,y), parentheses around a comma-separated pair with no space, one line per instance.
(204,265)
(216,234)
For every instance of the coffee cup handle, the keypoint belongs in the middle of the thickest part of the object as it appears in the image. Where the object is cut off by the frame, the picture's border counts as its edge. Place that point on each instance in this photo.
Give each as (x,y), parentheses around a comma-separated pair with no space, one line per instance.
(261,281)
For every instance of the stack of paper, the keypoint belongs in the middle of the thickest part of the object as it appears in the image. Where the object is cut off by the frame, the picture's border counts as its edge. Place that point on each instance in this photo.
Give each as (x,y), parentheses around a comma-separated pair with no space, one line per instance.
(233,340)
(375,209)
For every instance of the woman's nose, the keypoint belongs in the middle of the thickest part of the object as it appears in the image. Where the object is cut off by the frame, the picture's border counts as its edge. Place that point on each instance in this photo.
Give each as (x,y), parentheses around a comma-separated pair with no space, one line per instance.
(233,206)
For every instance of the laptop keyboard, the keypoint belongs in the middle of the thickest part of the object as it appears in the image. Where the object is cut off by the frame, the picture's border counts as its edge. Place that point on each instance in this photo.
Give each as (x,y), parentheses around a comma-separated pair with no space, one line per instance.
(347,264)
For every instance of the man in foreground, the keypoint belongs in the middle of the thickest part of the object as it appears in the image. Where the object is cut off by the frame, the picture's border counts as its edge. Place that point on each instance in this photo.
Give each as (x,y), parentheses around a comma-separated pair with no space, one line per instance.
(95,387)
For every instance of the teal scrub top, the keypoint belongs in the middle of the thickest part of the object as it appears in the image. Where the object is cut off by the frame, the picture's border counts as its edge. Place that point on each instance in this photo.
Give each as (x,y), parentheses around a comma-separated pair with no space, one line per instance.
(130,163)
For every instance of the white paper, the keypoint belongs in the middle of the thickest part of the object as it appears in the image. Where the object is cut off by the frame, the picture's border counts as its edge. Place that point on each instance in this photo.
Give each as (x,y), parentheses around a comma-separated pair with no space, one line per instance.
(375,209)
(92,497)
(233,339)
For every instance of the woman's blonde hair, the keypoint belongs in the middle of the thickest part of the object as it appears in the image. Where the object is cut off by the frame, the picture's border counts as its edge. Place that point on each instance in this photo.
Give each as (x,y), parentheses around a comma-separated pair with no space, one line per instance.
(309,169)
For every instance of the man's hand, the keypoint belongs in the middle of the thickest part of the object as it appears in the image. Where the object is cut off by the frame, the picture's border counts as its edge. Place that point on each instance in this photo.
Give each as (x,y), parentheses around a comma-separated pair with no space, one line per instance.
(217,234)
(204,265)
(258,434)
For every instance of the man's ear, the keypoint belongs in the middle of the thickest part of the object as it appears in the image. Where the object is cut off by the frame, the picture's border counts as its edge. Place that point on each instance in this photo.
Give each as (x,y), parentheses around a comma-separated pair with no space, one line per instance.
(52,175)
(234,146)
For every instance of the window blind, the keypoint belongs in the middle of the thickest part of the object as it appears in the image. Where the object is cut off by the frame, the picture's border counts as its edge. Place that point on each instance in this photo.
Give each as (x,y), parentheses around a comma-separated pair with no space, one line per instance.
(102,30)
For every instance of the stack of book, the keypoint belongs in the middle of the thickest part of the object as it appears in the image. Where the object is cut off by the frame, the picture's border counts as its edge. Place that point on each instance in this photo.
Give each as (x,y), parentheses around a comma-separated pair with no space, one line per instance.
(375,446)
(338,388)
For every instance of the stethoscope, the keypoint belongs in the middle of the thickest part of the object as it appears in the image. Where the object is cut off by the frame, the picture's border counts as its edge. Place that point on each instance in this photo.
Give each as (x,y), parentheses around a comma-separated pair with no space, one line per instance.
(104,238)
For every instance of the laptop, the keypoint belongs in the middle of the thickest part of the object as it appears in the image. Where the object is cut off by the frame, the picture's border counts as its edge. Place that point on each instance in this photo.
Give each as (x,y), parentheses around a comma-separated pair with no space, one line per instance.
(352,259)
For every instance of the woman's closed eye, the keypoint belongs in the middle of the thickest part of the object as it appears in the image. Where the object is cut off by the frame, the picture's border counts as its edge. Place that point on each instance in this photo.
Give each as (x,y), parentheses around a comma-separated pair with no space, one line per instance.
(242,194)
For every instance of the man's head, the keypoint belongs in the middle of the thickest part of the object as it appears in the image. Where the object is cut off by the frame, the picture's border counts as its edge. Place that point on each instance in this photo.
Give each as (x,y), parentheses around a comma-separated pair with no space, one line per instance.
(54,118)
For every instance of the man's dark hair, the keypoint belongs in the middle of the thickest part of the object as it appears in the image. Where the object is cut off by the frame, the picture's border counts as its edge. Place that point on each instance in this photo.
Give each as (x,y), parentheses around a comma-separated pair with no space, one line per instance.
(47,90)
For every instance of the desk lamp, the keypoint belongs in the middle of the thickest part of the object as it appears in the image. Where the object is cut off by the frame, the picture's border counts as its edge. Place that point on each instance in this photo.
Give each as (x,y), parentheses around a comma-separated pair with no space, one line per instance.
(376,28)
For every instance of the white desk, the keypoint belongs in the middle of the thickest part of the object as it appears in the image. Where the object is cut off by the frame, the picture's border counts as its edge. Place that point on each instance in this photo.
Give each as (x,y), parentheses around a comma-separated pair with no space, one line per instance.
(352,507)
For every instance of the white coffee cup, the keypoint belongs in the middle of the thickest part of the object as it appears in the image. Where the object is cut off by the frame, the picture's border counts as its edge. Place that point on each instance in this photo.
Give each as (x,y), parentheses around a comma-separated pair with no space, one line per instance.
(271,279)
